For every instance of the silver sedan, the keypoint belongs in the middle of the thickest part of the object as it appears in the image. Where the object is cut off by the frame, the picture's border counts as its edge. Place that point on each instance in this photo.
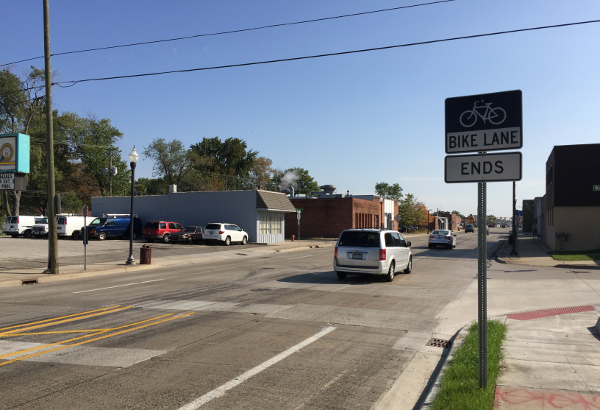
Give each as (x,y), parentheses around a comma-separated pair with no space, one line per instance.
(444,238)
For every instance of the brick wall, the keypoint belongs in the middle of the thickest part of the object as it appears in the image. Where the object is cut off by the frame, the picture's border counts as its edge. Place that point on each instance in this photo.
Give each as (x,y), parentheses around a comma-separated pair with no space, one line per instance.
(328,217)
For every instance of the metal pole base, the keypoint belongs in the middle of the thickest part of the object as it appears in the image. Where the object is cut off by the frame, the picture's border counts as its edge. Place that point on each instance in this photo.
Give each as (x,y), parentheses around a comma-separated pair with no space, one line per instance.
(130,261)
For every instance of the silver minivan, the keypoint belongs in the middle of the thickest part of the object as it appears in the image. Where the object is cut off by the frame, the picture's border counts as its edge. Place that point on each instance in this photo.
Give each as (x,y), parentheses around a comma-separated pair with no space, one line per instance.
(372,251)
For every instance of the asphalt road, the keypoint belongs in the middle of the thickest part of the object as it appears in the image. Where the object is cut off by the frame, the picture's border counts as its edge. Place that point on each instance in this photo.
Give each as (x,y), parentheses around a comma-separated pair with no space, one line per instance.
(249,332)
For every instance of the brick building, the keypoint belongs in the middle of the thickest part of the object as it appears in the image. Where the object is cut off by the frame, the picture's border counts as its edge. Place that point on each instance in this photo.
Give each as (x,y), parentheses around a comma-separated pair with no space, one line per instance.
(328,217)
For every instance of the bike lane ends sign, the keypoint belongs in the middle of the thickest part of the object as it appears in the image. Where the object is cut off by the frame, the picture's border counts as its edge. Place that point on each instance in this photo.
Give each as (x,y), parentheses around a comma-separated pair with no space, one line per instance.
(484,122)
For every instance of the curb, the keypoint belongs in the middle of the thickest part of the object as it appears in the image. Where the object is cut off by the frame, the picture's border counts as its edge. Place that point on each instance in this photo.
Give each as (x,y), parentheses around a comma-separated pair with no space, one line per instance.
(76,271)
(435,381)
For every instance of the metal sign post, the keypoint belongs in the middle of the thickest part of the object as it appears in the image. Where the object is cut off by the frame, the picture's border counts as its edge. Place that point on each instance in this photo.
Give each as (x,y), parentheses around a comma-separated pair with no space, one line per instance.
(482,281)
(298,212)
(481,123)
(85,237)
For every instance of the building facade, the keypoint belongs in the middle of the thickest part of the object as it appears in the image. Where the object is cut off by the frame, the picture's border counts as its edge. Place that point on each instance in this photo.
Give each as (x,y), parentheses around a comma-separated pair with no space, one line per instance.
(259,213)
(327,217)
(571,206)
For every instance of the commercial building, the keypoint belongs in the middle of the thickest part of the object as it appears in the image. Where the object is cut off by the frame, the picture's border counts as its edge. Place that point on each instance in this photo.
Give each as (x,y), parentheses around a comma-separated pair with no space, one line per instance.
(571,215)
(259,213)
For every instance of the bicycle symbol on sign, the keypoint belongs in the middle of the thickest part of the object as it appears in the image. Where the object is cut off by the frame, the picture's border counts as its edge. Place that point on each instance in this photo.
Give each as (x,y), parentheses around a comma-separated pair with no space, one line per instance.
(495,116)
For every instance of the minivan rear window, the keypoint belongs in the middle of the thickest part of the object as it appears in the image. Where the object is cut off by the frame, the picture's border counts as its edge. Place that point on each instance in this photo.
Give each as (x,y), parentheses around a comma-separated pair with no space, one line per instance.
(213,226)
(151,225)
(358,238)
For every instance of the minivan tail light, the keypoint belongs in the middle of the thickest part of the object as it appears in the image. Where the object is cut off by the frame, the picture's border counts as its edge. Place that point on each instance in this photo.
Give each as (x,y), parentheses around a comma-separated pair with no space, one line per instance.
(17,219)
(335,253)
(221,232)
(382,254)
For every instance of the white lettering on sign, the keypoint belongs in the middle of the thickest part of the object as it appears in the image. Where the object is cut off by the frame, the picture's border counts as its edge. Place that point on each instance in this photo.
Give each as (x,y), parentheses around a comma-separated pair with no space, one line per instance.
(483,167)
(486,140)
(7,180)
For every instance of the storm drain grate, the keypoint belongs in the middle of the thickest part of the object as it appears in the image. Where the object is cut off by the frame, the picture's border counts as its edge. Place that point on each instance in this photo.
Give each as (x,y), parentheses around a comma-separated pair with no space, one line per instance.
(537,314)
(29,281)
(438,343)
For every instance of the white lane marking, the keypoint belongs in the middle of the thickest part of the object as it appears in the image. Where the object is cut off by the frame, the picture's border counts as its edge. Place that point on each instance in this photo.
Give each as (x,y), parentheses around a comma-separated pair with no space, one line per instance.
(119,286)
(305,256)
(221,390)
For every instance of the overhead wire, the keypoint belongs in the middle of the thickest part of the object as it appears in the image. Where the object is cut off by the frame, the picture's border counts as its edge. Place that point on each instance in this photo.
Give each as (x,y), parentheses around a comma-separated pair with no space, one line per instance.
(235,31)
(497,33)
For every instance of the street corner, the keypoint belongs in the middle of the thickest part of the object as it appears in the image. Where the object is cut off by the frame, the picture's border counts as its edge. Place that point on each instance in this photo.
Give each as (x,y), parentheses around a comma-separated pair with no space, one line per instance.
(522,398)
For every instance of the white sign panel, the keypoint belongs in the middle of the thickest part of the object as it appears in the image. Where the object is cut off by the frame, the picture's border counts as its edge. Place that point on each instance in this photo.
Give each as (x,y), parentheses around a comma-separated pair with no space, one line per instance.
(7,180)
(483,167)
(502,138)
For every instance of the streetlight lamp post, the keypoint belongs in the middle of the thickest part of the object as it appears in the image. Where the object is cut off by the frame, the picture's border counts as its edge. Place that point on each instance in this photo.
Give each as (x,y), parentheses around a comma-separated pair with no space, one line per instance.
(133,159)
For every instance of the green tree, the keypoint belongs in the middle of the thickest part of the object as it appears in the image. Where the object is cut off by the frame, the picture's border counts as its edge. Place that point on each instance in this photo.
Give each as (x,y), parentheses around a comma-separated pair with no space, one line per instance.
(261,174)
(172,162)
(491,219)
(408,210)
(387,191)
(223,164)
(151,186)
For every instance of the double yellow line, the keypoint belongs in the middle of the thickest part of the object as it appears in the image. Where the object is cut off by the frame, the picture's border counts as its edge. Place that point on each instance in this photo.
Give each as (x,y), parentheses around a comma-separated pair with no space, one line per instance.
(19,329)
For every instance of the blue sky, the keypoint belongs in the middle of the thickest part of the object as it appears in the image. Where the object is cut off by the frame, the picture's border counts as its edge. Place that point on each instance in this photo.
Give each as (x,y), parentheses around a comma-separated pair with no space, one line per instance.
(351,120)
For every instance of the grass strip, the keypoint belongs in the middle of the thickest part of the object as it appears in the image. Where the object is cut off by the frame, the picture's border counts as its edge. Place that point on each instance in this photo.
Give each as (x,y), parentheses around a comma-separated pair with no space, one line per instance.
(460,382)
(593,255)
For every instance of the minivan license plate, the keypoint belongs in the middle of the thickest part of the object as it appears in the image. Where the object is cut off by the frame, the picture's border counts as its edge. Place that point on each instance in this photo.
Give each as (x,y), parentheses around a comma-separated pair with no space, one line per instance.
(356,256)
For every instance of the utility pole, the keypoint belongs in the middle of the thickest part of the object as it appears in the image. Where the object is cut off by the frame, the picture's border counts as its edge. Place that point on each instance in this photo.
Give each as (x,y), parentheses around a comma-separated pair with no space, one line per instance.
(110,171)
(514,222)
(52,234)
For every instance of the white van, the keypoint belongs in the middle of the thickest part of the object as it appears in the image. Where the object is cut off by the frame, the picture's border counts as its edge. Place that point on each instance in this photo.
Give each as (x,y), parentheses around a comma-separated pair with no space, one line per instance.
(41,227)
(20,225)
(70,225)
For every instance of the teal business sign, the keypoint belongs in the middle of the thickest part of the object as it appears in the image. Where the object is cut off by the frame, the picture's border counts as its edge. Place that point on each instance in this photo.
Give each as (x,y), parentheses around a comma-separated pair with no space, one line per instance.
(14,153)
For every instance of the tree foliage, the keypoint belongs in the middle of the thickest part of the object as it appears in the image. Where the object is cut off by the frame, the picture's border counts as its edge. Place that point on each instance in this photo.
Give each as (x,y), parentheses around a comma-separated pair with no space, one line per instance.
(222,165)
(172,162)
(387,191)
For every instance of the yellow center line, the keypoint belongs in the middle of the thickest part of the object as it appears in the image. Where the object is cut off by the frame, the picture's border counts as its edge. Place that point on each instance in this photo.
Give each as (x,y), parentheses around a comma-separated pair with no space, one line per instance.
(98,338)
(60,317)
(64,321)
(58,332)
(83,337)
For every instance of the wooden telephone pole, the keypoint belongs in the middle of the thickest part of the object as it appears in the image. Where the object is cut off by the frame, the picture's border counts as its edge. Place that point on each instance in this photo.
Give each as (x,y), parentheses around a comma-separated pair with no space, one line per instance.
(52,234)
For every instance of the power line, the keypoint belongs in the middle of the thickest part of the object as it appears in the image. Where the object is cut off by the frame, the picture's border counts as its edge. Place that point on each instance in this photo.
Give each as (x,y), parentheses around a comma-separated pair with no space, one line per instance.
(72,83)
(234,31)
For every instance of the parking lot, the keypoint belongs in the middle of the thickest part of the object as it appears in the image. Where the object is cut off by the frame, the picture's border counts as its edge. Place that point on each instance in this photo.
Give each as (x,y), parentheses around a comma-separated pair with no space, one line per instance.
(25,253)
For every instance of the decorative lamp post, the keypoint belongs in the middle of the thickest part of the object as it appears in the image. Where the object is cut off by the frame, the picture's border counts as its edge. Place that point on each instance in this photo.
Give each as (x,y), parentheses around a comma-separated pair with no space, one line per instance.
(133,159)
(381,207)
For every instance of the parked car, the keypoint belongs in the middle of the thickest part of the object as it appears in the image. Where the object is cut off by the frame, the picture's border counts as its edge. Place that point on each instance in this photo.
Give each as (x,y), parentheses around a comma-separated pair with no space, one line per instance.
(40,228)
(372,251)
(109,226)
(191,234)
(469,228)
(225,233)
(19,225)
(71,225)
(403,228)
(161,230)
(444,238)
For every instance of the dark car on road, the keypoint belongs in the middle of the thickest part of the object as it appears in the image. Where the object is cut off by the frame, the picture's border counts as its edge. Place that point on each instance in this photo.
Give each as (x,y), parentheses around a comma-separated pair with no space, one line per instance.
(191,234)
(469,228)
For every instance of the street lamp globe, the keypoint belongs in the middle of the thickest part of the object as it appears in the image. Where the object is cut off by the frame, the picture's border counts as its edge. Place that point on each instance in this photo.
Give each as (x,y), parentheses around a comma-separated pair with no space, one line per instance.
(133,156)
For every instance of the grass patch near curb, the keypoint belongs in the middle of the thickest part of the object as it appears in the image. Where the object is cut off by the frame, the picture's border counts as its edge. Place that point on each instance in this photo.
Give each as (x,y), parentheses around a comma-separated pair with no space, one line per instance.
(460,382)
(576,255)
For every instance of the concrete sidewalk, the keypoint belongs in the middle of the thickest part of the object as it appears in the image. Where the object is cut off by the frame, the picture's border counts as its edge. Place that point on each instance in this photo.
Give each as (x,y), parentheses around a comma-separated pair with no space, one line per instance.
(552,345)
(532,252)
(18,277)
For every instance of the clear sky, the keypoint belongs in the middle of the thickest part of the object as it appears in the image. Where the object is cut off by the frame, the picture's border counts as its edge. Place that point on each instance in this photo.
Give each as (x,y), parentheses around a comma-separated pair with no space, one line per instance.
(351,120)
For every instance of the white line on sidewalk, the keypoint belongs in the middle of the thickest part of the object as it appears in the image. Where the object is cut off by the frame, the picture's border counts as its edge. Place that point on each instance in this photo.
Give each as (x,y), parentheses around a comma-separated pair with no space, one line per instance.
(119,286)
(221,390)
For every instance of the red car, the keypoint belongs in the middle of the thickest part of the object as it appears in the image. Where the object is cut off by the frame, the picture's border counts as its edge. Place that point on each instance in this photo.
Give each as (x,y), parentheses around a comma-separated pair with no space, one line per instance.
(160,230)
